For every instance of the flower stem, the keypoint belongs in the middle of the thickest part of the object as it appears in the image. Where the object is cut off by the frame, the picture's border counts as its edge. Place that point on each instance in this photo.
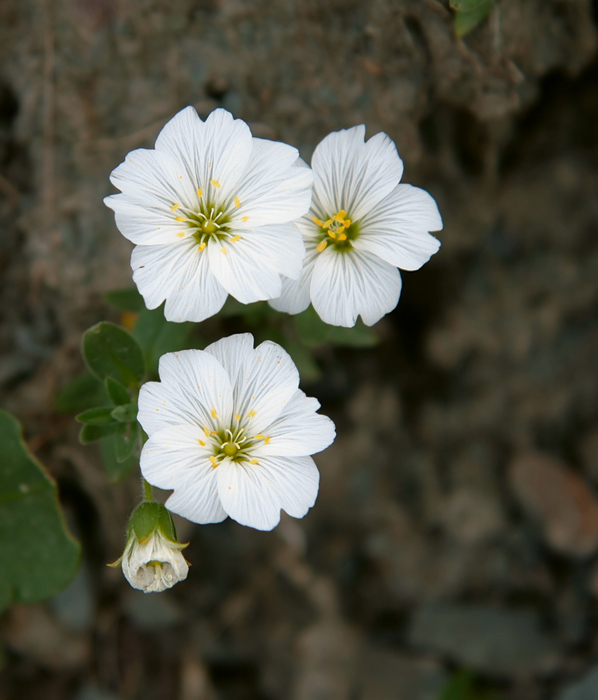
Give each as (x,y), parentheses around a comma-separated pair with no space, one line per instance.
(147,490)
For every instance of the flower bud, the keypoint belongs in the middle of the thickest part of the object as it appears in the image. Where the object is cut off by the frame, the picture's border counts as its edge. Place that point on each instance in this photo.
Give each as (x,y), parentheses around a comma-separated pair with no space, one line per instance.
(152,560)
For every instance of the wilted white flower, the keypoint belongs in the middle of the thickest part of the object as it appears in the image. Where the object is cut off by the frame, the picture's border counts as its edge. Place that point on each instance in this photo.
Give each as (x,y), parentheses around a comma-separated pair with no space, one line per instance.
(152,560)
(231,432)
(361,227)
(210,211)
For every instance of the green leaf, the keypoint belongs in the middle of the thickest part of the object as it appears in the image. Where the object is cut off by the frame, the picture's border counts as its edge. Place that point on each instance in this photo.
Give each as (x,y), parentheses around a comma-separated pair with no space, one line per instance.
(467,19)
(117,392)
(38,556)
(157,336)
(125,441)
(360,336)
(126,413)
(93,433)
(80,393)
(116,471)
(110,351)
(97,416)
(312,330)
(125,300)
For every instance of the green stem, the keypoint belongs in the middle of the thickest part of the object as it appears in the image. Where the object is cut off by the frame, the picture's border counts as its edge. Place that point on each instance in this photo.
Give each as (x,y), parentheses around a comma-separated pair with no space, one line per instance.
(147,490)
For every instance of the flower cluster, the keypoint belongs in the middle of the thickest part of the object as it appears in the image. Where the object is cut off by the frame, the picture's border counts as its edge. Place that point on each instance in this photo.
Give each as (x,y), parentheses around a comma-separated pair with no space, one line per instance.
(213,211)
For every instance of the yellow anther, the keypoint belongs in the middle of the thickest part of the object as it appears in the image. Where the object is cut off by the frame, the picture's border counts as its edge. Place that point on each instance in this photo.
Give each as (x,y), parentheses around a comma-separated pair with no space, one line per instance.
(244,218)
(327,223)
(206,431)
(202,443)
(201,246)
(181,218)
(253,461)
(340,215)
(321,245)
(347,223)
(214,461)
(259,436)
(267,440)
(215,184)
(181,234)
(342,237)
(234,239)
(332,234)
(341,229)
(224,250)
(199,192)
(213,432)
(237,417)
(317,221)
(251,414)
(214,414)
(174,207)
(237,202)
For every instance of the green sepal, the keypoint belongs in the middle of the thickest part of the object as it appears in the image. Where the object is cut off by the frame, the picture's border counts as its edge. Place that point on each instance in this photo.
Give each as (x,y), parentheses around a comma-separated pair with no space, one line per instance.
(110,351)
(125,300)
(126,413)
(93,433)
(117,392)
(150,516)
(125,441)
(38,556)
(102,415)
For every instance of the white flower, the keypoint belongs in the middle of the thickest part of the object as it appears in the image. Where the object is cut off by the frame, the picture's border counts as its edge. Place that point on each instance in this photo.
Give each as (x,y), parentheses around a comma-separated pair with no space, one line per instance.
(361,227)
(153,564)
(210,211)
(231,432)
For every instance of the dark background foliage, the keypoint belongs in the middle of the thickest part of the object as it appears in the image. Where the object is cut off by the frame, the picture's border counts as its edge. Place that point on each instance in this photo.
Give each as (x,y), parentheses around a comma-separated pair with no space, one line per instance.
(452,550)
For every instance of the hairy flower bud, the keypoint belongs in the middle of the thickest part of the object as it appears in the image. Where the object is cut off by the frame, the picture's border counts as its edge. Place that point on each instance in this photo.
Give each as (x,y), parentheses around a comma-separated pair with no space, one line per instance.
(152,560)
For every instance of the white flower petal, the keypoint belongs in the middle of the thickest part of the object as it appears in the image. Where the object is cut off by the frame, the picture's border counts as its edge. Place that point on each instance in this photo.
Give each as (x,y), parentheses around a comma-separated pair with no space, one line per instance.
(294,480)
(298,431)
(194,386)
(152,178)
(139,563)
(147,224)
(247,496)
(276,187)
(346,285)
(353,175)
(233,353)
(396,230)
(267,386)
(244,269)
(198,499)
(215,150)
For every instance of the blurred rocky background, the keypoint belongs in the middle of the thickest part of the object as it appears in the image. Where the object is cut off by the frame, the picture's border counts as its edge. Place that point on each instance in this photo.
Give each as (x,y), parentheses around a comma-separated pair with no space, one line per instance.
(452,553)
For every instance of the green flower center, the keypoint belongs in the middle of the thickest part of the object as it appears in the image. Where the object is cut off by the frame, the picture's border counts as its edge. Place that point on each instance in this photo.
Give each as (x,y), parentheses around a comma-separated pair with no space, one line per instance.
(338,232)
(232,443)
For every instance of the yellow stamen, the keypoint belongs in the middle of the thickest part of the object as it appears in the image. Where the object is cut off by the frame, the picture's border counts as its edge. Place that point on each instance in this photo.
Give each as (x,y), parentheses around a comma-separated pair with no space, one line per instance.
(181,218)
(237,202)
(321,245)
(332,234)
(244,218)
(253,461)
(340,215)
(174,207)
(202,443)
(206,431)
(327,223)
(347,223)
(342,237)
(237,417)
(214,461)
(317,221)
(235,238)
(341,229)
(181,235)
(214,414)
(251,414)
(224,250)
(259,437)
(267,440)
(199,192)
(201,246)
(215,184)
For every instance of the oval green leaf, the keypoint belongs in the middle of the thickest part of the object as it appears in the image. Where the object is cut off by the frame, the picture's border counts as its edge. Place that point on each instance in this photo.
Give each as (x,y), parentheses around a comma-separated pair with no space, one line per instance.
(110,351)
